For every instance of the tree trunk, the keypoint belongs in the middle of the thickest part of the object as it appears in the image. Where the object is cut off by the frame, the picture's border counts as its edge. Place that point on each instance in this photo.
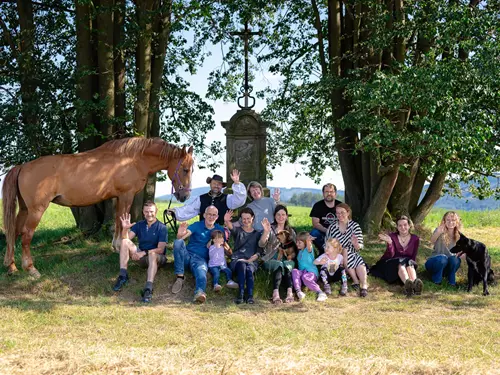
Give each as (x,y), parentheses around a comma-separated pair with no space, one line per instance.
(418,186)
(86,217)
(144,8)
(143,77)
(27,74)
(431,196)
(162,29)
(105,57)
(401,195)
(119,67)
(373,218)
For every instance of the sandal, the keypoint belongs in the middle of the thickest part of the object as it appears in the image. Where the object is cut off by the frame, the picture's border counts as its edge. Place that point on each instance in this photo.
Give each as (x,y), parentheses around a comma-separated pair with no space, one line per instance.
(289,296)
(276,298)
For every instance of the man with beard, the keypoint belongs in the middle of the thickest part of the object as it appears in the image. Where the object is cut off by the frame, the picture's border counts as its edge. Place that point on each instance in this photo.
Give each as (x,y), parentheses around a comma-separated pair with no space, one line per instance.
(323,215)
(215,197)
(150,252)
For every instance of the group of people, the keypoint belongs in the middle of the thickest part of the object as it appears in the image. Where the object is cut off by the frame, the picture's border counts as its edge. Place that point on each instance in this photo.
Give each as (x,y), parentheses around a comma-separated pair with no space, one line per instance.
(262,237)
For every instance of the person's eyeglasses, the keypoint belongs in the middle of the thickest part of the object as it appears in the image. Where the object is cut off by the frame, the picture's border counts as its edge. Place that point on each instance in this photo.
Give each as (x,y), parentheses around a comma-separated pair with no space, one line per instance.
(211,215)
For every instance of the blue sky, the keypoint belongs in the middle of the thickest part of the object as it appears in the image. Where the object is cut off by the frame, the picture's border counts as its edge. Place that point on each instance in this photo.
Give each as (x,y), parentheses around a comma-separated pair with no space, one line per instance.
(283,176)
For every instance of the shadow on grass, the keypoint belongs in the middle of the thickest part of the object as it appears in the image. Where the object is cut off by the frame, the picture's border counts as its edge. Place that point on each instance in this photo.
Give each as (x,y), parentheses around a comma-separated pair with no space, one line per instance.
(80,270)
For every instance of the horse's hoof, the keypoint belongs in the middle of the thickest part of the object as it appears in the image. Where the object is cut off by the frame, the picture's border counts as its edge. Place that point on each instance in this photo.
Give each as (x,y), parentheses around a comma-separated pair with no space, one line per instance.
(12,270)
(33,272)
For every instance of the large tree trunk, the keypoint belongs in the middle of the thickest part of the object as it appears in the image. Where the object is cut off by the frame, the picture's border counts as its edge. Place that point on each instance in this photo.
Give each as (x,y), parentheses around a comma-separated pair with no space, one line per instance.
(143,77)
(143,65)
(27,73)
(162,29)
(119,67)
(431,196)
(373,218)
(105,58)
(418,186)
(87,218)
(399,204)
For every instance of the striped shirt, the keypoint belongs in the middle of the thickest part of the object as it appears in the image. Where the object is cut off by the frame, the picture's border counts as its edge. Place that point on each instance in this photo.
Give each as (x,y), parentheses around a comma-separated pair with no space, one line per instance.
(345,239)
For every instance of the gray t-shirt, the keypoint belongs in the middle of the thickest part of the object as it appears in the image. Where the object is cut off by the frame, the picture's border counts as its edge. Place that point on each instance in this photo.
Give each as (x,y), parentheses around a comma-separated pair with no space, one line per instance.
(440,247)
(262,208)
(245,244)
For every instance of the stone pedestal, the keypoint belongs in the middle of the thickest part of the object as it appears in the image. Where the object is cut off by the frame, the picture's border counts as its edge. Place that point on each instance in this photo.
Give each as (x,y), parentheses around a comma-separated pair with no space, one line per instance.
(246,147)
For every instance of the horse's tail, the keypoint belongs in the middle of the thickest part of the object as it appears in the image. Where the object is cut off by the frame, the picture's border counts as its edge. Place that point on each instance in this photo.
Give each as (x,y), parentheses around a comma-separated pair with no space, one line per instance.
(9,200)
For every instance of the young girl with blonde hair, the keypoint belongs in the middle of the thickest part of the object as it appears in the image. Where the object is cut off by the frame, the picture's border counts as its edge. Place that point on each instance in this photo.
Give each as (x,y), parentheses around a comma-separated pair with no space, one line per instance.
(333,264)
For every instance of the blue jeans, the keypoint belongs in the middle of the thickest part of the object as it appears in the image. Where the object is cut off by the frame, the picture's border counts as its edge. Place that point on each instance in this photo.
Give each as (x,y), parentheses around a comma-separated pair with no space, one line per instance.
(440,265)
(319,242)
(215,271)
(197,265)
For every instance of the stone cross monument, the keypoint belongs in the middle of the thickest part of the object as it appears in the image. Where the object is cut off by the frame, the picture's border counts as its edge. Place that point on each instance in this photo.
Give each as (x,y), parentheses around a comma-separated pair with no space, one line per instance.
(246,132)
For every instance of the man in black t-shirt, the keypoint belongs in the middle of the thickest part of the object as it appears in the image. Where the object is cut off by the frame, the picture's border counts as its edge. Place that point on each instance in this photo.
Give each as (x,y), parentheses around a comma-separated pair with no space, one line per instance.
(323,215)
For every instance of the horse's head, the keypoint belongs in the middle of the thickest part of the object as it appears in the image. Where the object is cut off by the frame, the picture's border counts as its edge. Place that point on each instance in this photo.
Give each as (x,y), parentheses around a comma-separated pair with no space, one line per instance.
(180,171)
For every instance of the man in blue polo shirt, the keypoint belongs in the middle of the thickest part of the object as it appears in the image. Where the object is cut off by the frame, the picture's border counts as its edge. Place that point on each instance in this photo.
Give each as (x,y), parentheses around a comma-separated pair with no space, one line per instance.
(150,254)
(195,254)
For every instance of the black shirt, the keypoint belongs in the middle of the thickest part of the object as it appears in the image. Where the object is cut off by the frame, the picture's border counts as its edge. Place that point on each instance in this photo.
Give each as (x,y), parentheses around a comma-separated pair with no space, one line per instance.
(325,214)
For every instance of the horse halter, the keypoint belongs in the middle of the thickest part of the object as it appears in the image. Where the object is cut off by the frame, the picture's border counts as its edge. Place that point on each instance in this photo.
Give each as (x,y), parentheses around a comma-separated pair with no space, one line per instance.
(172,221)
(176,177)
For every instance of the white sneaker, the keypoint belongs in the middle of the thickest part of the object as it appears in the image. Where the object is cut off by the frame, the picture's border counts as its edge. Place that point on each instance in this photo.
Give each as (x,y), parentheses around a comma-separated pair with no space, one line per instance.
(217,288)
(321,297)
(232,285)
(301,295)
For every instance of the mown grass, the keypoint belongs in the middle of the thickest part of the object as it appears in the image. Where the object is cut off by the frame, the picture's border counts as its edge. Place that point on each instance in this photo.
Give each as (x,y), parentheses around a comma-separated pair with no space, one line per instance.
(70,322)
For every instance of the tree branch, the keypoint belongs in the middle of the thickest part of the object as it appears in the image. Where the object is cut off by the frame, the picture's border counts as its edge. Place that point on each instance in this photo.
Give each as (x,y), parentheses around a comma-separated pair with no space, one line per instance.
(8,36)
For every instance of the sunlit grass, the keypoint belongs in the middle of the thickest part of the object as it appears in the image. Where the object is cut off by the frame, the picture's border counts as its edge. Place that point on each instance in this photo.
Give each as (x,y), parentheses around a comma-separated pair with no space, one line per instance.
(70,322)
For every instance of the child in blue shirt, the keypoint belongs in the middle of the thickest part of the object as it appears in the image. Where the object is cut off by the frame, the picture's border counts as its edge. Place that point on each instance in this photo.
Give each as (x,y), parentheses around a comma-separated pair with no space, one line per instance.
(307,272)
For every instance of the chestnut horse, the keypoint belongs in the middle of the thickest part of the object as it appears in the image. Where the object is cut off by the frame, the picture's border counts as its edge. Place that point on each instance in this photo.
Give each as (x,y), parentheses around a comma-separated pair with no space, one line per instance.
(117,169)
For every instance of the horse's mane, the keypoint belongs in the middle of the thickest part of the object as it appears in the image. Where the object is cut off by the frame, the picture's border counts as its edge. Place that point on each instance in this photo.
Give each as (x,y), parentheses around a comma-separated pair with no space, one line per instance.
(137,145)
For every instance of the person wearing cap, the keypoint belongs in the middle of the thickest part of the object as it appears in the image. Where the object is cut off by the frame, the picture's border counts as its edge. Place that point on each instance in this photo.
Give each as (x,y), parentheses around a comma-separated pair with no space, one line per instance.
(215,197)
(262,207)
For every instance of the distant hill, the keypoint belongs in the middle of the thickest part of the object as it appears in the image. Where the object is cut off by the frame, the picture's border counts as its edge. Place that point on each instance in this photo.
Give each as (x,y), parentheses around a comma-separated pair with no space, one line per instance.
(467,203)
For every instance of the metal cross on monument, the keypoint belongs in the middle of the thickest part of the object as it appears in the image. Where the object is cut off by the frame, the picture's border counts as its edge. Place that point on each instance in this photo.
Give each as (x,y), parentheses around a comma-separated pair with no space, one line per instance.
(246,89)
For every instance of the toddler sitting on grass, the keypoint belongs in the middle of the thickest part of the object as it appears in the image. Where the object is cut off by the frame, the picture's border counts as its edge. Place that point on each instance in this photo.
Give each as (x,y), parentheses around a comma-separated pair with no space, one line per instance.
(217,261)
(332,266)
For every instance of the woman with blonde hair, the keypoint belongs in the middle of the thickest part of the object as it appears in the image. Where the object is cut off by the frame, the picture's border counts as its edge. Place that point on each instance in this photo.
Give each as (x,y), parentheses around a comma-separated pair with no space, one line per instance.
(442,262)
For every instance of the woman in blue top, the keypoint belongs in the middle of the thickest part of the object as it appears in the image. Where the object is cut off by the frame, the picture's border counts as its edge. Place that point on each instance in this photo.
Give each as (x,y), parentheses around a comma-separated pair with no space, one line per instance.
(307,272)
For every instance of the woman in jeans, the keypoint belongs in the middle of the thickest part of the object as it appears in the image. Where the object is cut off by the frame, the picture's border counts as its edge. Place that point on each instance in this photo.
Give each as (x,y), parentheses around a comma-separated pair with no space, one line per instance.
(442,262)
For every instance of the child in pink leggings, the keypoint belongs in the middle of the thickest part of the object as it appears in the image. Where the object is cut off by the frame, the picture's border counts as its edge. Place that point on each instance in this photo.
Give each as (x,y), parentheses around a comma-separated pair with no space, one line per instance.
(307,272)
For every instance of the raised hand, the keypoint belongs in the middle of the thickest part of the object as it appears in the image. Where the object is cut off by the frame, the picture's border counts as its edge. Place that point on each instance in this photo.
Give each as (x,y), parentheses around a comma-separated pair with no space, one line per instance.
(125,220)
(228,216)
(235,176)
(276,194)
(266,225)
(182,229)
(442,228)
(385,237)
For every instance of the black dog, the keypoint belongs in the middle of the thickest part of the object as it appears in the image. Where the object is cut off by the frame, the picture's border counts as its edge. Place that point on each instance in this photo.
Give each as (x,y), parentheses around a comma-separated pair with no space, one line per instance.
(478,260)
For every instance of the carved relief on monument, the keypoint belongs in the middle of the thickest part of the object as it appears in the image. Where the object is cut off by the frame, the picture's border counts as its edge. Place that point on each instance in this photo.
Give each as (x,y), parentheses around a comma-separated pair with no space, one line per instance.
(245,156)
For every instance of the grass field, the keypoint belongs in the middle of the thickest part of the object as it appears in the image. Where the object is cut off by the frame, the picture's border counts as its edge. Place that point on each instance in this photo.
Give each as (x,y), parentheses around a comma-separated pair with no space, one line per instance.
(70,322)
